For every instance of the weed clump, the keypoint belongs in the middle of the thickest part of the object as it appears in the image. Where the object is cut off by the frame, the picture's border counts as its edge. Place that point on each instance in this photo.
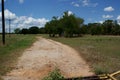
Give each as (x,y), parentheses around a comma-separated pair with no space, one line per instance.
(54,75)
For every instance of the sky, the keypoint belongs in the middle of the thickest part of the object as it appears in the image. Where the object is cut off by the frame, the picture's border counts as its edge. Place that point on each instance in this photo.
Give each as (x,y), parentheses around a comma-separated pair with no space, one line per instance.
(27,13)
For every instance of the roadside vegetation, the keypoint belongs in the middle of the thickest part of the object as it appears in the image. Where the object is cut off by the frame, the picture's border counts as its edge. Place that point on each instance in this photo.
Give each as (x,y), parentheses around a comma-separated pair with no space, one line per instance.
(54,75)
(100,52)
(10,52)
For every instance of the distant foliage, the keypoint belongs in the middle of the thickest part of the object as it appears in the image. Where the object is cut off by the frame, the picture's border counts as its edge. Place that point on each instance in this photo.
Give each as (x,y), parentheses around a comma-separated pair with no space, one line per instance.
(108,27)
(31,30)
(17,30)
(24,31)
(34,30)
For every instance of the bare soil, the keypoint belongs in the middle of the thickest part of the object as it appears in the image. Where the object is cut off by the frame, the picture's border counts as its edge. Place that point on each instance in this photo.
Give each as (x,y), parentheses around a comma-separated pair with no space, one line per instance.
(44,56)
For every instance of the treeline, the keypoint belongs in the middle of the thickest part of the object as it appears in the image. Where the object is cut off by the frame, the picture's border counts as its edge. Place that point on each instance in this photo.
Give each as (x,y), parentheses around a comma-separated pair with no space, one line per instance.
(31,30)
(108,27)
(71,26)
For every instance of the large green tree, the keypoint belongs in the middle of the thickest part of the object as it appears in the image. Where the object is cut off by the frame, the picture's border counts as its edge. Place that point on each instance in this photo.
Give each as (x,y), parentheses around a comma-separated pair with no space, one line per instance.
(52,27)
(68,25)
(108,26)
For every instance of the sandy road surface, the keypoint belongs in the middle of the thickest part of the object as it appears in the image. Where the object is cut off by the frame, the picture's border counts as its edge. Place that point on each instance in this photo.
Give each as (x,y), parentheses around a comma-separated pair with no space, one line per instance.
(43,56)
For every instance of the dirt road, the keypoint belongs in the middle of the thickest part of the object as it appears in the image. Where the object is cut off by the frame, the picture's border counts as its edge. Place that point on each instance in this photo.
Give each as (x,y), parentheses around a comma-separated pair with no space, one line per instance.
(44,56)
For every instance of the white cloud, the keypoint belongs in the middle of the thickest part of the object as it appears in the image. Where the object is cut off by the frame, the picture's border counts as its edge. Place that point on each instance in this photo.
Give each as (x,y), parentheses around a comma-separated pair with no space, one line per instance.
(70,12)
(26,22)
(107,16)
(109,9)
(8,14)
(101,22)
(118,19)
(75,4)
(22,21)
(21,1)
(85,2)
(89,3)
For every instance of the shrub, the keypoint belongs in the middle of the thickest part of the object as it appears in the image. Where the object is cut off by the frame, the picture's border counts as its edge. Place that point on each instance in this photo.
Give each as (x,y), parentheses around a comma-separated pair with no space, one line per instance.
(99,70)
(54,75)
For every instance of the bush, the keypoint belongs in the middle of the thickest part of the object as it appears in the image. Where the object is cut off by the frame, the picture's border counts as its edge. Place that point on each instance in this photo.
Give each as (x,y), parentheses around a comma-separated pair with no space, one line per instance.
(99,70)
(54,75)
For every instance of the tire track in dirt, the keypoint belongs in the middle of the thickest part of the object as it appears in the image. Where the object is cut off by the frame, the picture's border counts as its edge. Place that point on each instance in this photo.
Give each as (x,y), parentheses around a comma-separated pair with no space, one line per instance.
(44,56)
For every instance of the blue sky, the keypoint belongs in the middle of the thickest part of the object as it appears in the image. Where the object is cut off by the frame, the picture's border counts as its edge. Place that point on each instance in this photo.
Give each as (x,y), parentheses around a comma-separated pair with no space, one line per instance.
(26,13)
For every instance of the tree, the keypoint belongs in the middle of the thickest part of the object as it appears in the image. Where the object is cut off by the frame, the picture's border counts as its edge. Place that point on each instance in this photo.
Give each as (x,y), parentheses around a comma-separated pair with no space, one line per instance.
(34,30)
(116,28)
(17,31)
(71,24)
(83,29)
(24,31)
(68,25)
(52,27)
(108,26)
(42,30)
(96,29)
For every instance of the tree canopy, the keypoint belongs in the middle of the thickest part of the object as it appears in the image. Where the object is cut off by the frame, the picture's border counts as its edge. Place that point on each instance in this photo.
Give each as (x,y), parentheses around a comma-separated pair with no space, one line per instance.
(68,25)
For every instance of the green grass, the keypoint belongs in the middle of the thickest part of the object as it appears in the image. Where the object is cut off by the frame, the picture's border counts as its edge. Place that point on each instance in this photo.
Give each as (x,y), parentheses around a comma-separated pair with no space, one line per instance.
(102,53)
(10,52)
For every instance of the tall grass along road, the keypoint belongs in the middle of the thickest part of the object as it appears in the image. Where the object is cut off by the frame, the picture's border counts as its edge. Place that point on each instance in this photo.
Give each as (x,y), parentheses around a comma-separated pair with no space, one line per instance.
(101,52)
(10,52)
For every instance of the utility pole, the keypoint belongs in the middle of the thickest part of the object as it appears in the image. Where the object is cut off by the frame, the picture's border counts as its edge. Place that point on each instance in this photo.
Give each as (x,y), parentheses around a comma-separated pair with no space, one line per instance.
(3,23)
(9,22)
(9,26)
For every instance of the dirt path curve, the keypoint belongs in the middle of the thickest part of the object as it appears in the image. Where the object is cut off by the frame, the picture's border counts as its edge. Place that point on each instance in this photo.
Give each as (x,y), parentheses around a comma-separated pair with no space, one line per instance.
(41,58)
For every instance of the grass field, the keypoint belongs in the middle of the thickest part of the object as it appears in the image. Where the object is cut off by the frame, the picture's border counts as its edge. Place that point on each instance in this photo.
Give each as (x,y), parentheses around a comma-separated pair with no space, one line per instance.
(10,52)
(102,53)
